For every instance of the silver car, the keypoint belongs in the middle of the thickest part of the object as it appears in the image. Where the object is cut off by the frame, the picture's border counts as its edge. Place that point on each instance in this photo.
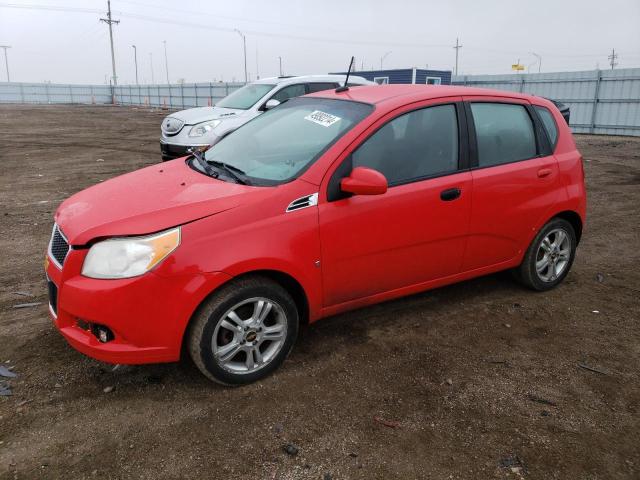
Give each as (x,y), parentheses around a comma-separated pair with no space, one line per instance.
(204,126)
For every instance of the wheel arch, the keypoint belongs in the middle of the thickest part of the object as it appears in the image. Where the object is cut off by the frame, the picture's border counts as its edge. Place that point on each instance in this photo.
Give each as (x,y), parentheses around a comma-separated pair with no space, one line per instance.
(574,219)
(285,280)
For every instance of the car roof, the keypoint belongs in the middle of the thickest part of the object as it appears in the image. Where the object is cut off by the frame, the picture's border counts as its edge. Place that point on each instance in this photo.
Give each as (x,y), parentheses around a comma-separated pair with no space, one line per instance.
(408,93)
(312,78)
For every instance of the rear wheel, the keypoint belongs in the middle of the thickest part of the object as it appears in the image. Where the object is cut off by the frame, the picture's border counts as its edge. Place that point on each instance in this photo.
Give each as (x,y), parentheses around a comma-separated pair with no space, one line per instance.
(243,332)
(549,257)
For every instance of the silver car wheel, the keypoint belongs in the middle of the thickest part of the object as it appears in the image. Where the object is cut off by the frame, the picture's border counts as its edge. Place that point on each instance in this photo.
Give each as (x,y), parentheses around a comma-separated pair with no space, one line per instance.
(249,335)
(553,255)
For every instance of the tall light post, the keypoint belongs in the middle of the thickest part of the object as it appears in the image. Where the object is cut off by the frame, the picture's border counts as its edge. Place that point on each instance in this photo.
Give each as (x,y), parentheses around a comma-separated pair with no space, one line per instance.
(153,80)
(135,60)
(6,61)
(383,57)
(166,61)
(539,60)
(244,46)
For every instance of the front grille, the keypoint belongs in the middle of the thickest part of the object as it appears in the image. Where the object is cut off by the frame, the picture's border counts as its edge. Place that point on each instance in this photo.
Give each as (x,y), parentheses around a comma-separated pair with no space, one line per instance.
(58,247)
(53,296)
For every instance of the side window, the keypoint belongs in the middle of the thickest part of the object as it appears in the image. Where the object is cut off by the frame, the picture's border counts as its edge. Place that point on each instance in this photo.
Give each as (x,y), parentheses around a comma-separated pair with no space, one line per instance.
(381,80)
(319,87)
(412,146)
(549,124)
(433,81)
(289,92)
(504,133)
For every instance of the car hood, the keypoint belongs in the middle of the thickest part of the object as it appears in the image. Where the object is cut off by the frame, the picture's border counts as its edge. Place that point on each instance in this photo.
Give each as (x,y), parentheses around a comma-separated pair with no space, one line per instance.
(145,201)
(193,116)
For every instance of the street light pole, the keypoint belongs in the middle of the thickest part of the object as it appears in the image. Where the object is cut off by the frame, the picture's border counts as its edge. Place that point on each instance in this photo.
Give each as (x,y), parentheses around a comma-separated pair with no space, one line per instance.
(539,60)
(383,57)
(244,46)
(166,61)
(153,80)
(6,61)
(135,59)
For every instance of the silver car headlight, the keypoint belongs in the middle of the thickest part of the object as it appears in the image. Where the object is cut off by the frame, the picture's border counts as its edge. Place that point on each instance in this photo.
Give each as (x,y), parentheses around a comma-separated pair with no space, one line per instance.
(203,128)
(131,256)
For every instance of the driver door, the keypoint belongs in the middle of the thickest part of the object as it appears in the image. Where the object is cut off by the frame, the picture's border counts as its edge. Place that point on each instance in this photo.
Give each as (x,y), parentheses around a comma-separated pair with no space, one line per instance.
(414,233)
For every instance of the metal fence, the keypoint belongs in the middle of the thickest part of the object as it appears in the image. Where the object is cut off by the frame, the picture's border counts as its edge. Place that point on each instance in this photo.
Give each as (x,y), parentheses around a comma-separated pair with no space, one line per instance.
(170,96)
(601,101)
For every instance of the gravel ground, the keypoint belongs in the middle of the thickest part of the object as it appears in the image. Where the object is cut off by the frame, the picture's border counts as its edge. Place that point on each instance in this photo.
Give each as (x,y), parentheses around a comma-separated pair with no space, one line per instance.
(478,380)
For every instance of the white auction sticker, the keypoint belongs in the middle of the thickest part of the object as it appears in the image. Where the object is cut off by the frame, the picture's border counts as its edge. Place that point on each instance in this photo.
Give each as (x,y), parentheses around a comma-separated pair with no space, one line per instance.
(322,118)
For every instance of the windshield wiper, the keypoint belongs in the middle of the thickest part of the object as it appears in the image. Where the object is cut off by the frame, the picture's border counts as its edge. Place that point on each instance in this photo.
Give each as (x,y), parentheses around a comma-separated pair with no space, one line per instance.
(197,154)
(239,177)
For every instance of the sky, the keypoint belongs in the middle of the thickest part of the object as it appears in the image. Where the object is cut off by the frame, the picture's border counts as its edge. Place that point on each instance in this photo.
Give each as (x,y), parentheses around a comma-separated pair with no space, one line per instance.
(63,41)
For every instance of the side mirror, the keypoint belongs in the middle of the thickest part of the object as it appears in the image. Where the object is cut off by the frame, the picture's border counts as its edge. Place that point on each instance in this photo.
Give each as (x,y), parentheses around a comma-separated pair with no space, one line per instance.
(272,103)
(364,181)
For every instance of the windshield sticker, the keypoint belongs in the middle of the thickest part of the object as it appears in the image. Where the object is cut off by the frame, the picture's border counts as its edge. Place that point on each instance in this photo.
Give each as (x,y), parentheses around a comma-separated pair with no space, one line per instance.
(322,118)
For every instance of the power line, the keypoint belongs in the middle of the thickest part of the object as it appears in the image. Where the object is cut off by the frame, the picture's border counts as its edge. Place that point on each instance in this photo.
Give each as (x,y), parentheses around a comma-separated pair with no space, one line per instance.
(109,21)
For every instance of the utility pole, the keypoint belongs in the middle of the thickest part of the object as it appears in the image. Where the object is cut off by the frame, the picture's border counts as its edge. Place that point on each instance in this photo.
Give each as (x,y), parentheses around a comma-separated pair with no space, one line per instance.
(153,80)
(612,58)
(109,21)
(6,62)
(383,57)
(244,46)
(166,61)
(135,59)
(457,49)
(539,60)
(280,60)
(257,70)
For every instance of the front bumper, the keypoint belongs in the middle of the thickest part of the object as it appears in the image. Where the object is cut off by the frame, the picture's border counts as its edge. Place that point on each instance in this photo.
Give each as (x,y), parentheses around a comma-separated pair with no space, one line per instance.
(147,315)
(170,151)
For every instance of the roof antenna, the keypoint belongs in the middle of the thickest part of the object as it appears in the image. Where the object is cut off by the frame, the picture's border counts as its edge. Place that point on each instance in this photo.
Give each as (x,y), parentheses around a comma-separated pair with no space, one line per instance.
(344,88)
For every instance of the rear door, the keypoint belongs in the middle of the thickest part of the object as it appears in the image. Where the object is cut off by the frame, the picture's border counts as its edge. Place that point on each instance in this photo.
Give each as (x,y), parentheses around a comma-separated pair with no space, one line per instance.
(416,231)
(515,179)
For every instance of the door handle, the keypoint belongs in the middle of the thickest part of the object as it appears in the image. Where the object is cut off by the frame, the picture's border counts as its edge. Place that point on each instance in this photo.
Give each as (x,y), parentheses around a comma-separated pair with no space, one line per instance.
(450,194)
(544,172)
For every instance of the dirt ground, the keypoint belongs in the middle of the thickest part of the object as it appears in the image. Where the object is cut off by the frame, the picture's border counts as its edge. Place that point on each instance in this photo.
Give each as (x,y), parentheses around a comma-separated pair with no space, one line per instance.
(478,380)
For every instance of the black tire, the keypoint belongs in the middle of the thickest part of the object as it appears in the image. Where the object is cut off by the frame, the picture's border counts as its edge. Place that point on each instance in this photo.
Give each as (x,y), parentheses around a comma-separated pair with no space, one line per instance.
(213,311)
(527,272)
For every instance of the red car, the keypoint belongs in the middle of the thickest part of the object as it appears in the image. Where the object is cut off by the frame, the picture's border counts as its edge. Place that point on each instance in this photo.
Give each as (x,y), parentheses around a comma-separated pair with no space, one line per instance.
(326,203)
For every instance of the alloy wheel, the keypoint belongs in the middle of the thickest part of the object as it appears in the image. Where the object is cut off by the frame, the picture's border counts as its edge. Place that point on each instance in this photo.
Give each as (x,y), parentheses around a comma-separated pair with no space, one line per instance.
(249,335)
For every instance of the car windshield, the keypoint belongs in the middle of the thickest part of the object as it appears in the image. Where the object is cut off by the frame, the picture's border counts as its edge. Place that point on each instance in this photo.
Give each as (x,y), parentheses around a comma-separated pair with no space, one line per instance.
(245,97)
(278,145)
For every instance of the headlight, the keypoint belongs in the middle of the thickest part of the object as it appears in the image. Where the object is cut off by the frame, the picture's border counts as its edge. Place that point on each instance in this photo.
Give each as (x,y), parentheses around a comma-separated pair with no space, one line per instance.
(203,128)
(129,257)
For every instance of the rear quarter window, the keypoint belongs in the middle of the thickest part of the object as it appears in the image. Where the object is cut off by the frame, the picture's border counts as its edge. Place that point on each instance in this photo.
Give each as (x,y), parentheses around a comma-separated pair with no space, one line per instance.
(549,123)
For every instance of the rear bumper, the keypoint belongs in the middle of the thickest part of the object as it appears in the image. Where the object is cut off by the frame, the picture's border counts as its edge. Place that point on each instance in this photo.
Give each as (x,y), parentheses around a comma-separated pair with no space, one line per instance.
(147,315)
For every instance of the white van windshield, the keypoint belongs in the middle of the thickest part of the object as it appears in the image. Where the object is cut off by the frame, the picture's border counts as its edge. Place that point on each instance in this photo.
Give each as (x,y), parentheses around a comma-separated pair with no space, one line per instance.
(245,97)
(278,145)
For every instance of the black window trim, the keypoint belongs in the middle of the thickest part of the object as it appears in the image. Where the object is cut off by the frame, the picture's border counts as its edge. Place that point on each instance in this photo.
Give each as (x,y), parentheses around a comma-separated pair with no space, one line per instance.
(543,148)
(344,169)
(552,145)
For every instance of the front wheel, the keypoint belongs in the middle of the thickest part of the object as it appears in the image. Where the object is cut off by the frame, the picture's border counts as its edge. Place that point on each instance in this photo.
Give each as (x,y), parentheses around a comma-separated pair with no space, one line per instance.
(549,257)
(243,332)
